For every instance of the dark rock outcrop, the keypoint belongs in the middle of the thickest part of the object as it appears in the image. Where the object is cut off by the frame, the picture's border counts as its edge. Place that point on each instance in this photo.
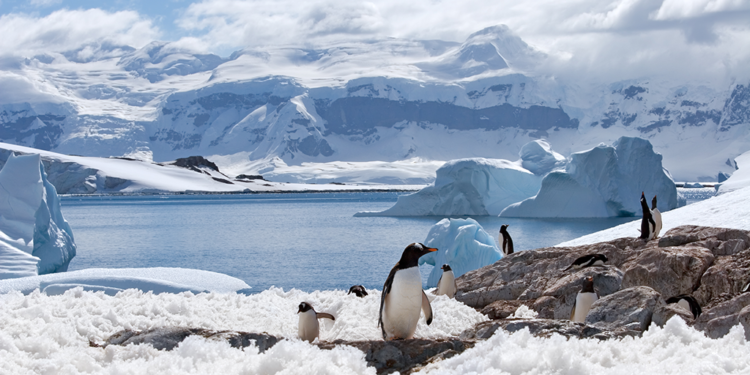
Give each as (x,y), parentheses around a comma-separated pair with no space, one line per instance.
(194,163)
(167,338)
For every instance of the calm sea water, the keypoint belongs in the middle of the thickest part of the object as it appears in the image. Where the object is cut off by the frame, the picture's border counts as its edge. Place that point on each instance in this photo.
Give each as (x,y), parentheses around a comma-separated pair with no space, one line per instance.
(303,241)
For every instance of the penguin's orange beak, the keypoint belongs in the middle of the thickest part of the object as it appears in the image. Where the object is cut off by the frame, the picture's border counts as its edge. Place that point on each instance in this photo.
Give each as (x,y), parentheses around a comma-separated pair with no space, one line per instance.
(430,249)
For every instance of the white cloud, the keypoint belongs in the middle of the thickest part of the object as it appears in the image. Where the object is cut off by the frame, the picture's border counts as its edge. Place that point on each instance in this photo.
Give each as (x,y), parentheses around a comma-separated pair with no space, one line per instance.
(68,29)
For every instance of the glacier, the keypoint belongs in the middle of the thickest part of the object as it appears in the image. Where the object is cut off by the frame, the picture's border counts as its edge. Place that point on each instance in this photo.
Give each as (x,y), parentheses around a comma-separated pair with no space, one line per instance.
(740,178)
(461,243)
(605,181)
(35,238)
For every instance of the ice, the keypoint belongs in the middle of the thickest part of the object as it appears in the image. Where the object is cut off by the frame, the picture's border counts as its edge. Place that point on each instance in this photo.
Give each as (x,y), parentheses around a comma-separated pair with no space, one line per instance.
(605,181)
(34,236)
(538,157)
(461,243)
(740,178)
(475,186)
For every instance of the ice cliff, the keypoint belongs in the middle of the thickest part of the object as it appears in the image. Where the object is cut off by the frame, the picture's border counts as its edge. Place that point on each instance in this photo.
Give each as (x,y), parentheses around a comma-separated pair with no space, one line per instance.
(461,243)
(605,181)
(34,236)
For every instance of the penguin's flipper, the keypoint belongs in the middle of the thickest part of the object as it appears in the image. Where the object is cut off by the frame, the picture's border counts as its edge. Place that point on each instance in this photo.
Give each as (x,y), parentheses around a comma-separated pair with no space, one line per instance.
(426,308)
(386,289)
(324,315)
(573,311)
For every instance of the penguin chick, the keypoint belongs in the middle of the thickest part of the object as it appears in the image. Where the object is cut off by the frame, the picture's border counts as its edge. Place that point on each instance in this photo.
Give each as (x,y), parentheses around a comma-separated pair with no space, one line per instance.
(358,291)
(447,283)
(588,261)
(309,329)
(505,241)
(403,296)
(584,299)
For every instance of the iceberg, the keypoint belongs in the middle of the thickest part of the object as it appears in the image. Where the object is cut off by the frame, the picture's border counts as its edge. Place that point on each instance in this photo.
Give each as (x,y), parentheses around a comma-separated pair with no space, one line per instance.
(474,186)
(34,237)
(461,243)
(538,158)
(740,178)
(605,181)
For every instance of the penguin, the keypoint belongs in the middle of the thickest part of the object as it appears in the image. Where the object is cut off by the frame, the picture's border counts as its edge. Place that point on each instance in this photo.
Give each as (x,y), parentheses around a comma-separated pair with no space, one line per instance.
(584,299)
(403,296)
(358,291)
(656,214)
(588,261)
(447,283)
(505,241)
(308,321)
(746,288)
(647,222)
(688,303)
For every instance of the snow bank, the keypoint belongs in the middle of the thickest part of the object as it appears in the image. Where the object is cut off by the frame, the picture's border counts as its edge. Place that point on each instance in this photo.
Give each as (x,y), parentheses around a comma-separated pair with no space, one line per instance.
(475,186)
(51,333)
(730,210)
(740,178)
(463,244)
(605,181)
(113,280)
(34,236)
(674,349)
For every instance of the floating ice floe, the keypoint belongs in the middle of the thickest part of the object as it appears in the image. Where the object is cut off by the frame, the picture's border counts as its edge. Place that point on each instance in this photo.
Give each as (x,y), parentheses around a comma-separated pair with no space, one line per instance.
(605,181)
(461,243)
(34,236)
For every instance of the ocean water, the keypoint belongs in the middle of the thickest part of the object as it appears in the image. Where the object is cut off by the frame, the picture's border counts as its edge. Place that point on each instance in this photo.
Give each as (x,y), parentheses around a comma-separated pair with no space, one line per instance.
(303,241)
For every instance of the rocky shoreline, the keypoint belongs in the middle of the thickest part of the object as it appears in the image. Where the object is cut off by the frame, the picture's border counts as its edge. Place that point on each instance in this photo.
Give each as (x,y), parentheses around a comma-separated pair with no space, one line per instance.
(712,264)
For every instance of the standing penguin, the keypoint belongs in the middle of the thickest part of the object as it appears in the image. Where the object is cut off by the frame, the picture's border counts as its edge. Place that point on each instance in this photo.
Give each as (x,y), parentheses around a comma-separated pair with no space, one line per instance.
(309,328)
(688,303)
(656,214)
(584,299)
(447,283)
(505,241)
(403,296)
(647,222)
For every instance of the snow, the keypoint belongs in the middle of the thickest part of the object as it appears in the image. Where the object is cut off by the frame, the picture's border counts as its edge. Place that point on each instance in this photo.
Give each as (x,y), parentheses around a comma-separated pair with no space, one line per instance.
(730,210)
(461,243)
(475,186)
(740,178)
(34,236)
(605,181)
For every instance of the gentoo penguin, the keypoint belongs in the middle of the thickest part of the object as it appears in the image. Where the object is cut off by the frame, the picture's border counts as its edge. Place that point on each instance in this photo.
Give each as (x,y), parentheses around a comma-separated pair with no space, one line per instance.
(403,296)
(447,283)
(688,303)
(308,321)
(358,291)
(505,241)
(647,222)
(746,288)
(656,214)
(588,261)
(584,299)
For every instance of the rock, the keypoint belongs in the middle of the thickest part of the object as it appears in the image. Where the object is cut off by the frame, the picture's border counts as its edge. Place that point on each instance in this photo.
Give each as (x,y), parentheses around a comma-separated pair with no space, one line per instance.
(194,163)
(669,270)
(607,280)
(632,308)
(167,338)
(542,328)
(718,320)
(663,313)
(502,309)
(724,279)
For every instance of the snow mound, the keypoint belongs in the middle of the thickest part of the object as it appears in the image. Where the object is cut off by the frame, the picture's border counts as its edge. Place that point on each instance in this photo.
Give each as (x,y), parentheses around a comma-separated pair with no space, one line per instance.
(740,178)
(537,157)
(461,243)
(475,186)
(605,181)
(113,280)
(34,236)
(731,210)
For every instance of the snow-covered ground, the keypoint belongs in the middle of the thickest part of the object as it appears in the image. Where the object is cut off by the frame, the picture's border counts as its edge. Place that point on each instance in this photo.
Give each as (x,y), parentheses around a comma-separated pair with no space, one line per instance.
(730,210)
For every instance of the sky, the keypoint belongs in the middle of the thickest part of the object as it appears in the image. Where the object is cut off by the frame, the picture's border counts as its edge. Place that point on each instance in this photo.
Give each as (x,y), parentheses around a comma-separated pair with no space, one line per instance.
(629,37)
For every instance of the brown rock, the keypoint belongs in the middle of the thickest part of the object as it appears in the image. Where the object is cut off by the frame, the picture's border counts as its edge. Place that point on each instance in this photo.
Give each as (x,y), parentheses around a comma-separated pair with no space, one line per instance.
(502,309)
(607,280)
(631,308)
(724,279)
(668,270)
(718,320)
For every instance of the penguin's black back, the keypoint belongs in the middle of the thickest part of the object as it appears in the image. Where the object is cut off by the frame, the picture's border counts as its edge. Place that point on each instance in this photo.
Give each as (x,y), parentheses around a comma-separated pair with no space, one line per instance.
(645,227)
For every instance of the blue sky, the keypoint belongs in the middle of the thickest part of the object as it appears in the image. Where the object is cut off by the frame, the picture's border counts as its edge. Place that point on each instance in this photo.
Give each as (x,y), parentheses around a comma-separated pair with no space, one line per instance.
(710,35)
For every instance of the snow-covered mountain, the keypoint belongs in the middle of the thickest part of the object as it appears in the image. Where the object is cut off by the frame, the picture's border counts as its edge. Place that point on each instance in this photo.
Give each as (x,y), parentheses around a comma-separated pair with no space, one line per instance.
(379,100)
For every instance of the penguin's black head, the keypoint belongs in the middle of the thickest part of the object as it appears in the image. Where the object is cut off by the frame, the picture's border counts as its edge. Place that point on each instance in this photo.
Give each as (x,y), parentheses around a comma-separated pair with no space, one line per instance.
(358,291)
(412,253)
(504,228)
(653,203)
(304,307)
(446,267)
(588,284)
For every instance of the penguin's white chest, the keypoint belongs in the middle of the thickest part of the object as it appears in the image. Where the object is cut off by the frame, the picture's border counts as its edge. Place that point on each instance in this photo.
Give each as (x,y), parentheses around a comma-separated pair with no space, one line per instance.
(403,304)
(657,219)
(583,305)
(447,285)
(685,305)
(308,326)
